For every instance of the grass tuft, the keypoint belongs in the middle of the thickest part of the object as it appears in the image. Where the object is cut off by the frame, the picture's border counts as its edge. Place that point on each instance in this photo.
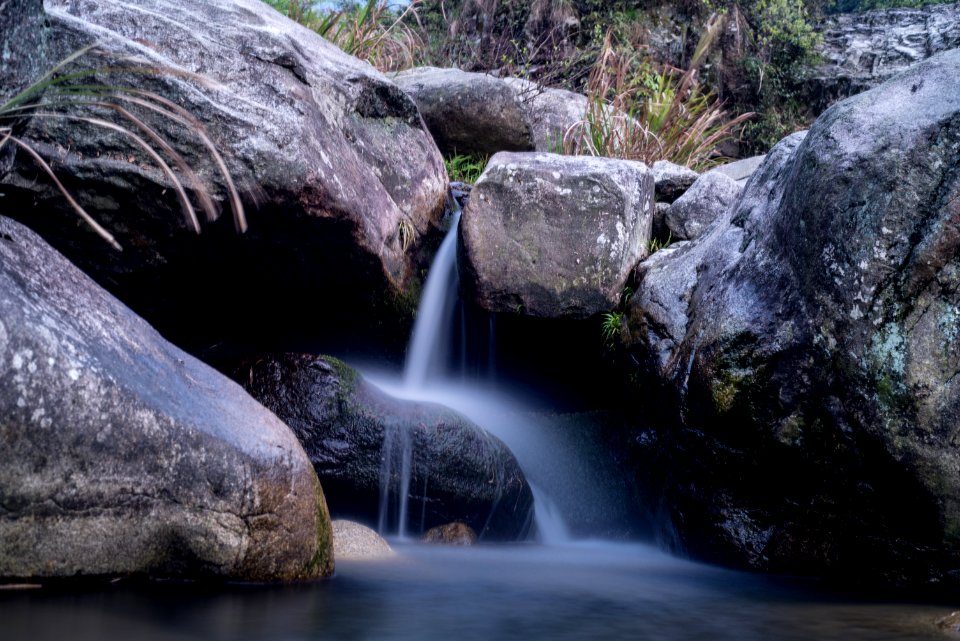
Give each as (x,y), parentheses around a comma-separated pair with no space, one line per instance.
(640,112)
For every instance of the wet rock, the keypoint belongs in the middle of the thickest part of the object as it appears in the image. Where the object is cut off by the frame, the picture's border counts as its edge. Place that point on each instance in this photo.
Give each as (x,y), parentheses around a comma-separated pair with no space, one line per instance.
(861,50)
(555,236)
(816,373)
(355,542)
(450,534)
(122,455)
(703,203)
(339,174)
(671,180)
(467,112)
(360,440)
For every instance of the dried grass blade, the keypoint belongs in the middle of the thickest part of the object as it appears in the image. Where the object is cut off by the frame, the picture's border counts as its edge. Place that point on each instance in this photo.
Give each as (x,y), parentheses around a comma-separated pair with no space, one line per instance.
(103,233)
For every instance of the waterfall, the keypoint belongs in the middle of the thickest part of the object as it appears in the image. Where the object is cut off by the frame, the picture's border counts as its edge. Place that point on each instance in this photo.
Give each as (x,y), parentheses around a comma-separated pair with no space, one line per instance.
(440,336)
(433,328)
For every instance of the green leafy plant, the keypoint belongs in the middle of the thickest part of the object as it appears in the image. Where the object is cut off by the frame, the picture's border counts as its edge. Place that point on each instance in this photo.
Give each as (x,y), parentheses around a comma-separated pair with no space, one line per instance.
(465,167)
(640,112)
(610,326)
(79,96)
(656,244)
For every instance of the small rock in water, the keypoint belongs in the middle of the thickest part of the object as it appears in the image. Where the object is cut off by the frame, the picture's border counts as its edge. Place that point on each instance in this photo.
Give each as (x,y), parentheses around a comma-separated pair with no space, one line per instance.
(450,534)
(353,541)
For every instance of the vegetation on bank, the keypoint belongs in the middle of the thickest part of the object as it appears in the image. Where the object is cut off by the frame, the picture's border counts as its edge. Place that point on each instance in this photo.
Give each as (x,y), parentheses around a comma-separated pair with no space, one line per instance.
(682,76)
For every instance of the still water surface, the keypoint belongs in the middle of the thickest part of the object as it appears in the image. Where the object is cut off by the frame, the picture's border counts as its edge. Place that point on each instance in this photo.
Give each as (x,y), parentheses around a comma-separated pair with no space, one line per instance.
(582,591)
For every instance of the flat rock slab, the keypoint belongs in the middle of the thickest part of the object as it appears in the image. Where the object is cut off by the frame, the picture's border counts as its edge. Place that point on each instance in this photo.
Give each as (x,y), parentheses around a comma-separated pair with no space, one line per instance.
(120,454)
(555,236)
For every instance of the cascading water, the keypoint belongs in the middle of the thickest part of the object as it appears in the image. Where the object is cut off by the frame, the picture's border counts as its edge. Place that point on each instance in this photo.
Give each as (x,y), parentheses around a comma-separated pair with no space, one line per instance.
(434,344)
(426,357)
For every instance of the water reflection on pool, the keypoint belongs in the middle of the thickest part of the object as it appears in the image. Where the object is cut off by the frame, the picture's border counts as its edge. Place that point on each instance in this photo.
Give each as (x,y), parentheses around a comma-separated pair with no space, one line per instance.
(580,591)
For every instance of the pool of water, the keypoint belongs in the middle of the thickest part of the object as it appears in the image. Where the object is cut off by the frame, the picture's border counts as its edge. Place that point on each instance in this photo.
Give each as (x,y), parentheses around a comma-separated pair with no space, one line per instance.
(580,591)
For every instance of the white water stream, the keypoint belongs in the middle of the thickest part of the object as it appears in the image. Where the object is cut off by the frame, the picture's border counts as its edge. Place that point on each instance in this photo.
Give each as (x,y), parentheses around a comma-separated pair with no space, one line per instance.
(426,377)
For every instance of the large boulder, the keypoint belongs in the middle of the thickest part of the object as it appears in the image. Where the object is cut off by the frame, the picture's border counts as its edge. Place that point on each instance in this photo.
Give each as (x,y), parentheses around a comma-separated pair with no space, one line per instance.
(371,449)
(816,366)
(467,112)
(550,112)
(476,113)
(340,176)
(861,50)
(555,236)
(122,455)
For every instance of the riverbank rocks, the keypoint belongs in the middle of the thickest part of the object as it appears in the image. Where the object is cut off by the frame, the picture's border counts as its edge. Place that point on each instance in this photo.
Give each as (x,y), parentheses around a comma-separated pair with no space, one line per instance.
(356,542)
(554,236)
(476,113)
(815,364)
(700,205)
(861,50)
(362,441)
(340,177)
(122,455)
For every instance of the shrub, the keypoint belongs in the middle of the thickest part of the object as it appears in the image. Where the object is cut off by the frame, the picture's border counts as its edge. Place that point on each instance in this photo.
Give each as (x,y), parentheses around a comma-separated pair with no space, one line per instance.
(641,112)
(465,168)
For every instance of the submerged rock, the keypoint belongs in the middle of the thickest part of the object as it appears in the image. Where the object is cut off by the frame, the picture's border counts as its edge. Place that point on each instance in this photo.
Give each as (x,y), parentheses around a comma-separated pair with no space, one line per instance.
(704,202)
(450,534)
(340,176)
(122,455)
(555,236)
(810,348)
(355,542)
(361,440)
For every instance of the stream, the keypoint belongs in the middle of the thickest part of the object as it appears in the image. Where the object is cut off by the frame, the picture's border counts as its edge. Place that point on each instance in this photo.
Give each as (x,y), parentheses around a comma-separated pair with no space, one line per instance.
(564,586)
(583,591)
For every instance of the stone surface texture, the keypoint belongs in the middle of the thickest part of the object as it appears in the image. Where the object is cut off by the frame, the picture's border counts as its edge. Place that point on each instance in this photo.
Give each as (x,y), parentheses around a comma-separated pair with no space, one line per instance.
(555,236)
(339,174)
(361,440)
(704,202)
(122,455)
(811,349)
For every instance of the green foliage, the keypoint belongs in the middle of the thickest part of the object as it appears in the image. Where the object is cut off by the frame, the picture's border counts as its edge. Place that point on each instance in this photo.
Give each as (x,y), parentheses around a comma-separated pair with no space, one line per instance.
(465,168)
(656,244)
(643,112)
(611,324)
(371,30)
(78,95)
